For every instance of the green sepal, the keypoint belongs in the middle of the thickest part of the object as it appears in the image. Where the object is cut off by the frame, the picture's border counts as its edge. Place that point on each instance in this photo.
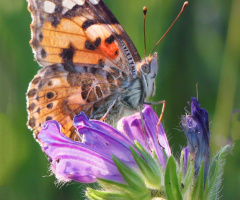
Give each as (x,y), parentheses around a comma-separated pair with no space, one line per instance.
(198,189)
(152,178)
(218,157)
(171,180)
(181,169)
(114,186)
(188,178)
(210,185)
(149,159)
(165,154)
(154,155)
(102,195)
(152,162)
(215,173)
(130,176)
(160,168)
(125,190)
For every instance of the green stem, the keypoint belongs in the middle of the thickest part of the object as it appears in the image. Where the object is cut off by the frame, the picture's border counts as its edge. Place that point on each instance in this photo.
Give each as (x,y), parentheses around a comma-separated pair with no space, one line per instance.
(229,78)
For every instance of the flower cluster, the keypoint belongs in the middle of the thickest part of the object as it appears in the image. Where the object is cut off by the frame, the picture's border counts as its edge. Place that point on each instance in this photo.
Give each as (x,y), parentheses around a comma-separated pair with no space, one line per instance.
(130,162)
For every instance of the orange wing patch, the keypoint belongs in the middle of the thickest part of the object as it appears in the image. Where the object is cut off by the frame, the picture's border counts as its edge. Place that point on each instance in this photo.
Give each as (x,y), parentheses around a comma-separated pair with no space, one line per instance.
(66,26)
(110,48)
(87,57)
(68,42)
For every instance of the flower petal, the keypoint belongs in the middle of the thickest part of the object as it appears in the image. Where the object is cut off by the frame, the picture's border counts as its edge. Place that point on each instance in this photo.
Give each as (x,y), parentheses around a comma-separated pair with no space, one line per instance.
(132,127)
(106,139)
(82,120)
(72,160)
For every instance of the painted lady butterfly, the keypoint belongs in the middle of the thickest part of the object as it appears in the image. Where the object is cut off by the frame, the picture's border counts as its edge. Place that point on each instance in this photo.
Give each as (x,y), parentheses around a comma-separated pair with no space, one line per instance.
(89,64)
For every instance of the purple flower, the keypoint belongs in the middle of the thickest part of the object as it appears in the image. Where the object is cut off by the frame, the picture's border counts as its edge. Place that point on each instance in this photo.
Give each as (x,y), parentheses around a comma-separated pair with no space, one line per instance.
(196,129)
(91,159)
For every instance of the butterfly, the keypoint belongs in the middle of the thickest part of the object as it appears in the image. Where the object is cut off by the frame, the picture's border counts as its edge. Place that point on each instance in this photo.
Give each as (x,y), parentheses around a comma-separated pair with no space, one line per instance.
(89,64)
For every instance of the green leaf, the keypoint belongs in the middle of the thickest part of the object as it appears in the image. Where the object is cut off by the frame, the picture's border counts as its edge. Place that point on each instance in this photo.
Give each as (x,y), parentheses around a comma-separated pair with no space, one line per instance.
(171,181)
(198,189)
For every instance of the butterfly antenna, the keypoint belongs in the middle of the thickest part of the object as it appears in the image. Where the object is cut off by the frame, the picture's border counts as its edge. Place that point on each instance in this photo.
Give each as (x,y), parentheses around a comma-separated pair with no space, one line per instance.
(197,90)
(183,8)
(144,29)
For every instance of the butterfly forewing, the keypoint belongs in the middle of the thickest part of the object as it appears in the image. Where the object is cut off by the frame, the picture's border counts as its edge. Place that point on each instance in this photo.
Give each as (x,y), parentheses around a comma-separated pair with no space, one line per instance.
(79,31)
(88,59)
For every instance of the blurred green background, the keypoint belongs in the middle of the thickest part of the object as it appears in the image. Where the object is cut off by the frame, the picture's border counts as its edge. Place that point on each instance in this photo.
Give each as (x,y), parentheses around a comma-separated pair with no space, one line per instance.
(203,47)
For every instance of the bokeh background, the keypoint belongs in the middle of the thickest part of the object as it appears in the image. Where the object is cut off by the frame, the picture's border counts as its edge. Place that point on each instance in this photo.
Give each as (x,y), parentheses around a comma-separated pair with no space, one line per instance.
(203,47)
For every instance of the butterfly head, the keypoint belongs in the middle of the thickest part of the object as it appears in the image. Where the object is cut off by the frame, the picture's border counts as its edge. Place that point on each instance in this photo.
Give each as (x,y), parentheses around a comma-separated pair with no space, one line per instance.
(147,70)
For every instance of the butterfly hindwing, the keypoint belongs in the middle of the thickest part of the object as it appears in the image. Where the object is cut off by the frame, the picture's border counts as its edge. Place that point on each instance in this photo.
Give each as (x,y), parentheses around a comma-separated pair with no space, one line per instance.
(62,91)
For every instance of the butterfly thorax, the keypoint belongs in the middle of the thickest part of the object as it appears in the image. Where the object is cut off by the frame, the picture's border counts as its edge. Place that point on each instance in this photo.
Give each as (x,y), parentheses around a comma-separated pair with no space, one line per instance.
(143,86)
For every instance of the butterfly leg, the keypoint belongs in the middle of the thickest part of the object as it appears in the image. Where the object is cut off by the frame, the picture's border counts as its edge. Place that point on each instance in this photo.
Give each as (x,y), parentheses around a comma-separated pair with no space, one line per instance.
(108,110)
(161,115)
(143,127)
(141,115)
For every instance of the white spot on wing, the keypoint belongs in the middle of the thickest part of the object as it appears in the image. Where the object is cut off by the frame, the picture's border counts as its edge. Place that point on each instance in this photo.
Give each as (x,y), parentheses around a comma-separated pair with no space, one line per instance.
(79,2)
(56,82)
(97,30)
(68,4)
(94,2)
(49,6)
(64,10)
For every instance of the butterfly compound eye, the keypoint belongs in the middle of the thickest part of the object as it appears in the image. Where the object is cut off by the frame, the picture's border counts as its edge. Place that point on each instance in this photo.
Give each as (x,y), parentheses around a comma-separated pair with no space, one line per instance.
(145,68)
